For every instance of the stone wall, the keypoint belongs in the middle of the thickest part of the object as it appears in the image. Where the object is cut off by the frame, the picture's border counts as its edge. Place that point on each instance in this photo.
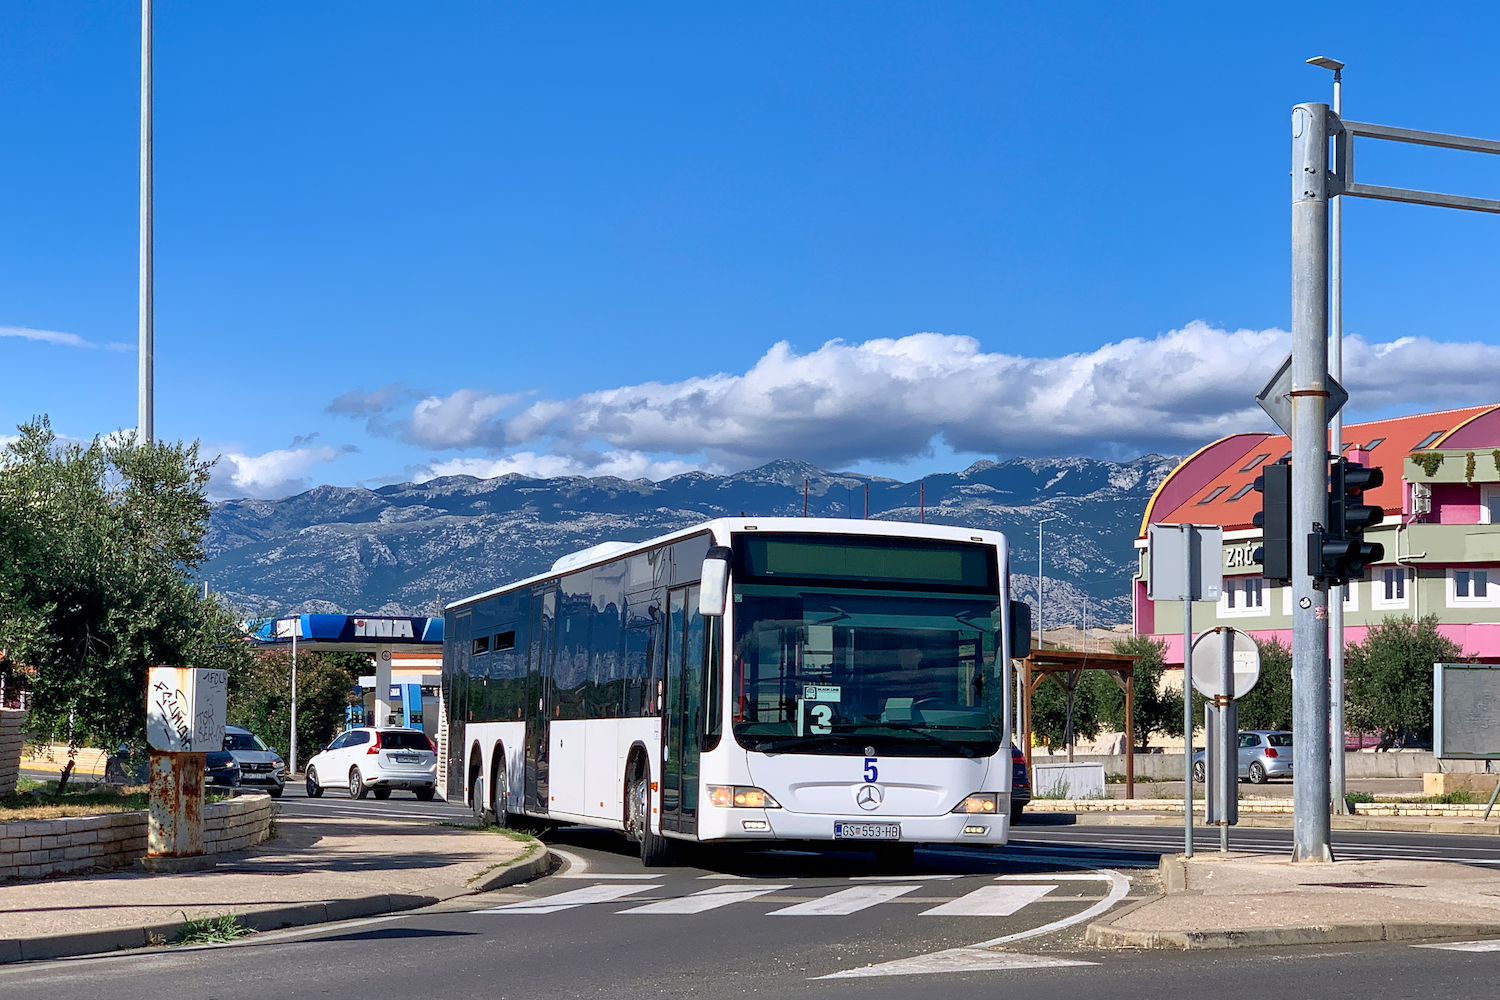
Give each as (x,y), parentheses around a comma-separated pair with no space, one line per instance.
(11,740)
(37,848)
(1168,766)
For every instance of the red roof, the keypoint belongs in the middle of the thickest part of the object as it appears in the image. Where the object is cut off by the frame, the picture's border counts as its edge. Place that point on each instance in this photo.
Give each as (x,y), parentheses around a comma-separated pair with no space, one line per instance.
(1213,486)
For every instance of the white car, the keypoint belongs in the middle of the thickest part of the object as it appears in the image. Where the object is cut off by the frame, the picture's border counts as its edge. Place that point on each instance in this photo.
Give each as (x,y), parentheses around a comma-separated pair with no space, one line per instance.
(376,760)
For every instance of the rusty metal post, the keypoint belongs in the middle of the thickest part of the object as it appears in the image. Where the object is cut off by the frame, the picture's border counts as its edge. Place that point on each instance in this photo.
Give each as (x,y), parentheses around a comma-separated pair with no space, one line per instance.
(175,824)
(1130,734)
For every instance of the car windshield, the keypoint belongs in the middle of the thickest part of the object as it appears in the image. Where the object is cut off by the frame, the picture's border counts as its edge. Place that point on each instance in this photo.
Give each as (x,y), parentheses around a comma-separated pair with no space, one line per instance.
(819,671)
(243,741)
(405,741)
(1279,739)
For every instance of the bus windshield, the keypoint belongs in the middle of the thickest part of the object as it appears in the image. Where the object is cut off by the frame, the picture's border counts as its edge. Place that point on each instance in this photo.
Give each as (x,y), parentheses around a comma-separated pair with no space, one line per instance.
(908,673)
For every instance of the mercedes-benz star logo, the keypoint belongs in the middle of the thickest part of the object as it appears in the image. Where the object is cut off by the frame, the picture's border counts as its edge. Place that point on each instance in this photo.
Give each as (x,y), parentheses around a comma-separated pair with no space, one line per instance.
(869,797)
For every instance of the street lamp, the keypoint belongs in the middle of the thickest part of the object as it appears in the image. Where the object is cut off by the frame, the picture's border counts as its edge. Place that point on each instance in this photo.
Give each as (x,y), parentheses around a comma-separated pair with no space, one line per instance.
(1336,369)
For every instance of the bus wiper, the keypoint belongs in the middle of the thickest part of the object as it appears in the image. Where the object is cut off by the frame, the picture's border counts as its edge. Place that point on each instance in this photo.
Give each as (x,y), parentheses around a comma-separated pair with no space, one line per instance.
(776,744)
(908,727)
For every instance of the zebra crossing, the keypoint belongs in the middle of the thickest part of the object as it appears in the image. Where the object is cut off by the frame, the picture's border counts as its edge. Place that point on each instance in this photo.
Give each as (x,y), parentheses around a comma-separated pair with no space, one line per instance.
(1002,897)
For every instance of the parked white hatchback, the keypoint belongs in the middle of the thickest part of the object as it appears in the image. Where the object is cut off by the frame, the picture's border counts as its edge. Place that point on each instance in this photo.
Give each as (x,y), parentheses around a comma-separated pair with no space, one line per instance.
(376,760)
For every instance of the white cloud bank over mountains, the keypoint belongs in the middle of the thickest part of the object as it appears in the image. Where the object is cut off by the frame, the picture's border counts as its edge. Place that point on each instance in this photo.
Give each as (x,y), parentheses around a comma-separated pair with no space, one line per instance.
(273,474)
(889,400)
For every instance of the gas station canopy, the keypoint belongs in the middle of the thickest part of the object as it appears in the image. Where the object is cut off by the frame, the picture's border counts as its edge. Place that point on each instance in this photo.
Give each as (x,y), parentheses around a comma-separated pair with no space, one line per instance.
(354,633)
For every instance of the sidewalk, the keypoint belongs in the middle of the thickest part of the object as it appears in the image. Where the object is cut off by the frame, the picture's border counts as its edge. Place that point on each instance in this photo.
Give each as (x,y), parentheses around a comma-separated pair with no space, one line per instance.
(317,870)
(1267,813)
(1249,901)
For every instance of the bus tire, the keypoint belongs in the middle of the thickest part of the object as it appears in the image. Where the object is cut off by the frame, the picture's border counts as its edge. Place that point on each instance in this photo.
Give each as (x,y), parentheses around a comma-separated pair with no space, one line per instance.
(499,791)
(656,850)
(476,802)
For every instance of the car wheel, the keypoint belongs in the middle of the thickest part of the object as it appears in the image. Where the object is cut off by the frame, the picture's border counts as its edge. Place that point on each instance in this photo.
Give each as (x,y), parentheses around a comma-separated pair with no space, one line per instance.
(357,787)
(314,790)
(1200,772)
(656,850)
(1016,809)
(382,793)
(426,794)
(1257,773)
(275,791)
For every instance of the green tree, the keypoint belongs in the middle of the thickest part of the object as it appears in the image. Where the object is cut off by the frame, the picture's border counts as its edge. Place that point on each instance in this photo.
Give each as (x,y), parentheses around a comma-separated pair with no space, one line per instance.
(1156,711)
(260,697)
(1049,713)
(98,542)
(1389,677)
(1269,703)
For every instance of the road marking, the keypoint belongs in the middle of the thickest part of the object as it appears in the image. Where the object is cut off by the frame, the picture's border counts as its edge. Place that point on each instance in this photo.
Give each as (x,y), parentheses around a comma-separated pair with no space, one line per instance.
(1463,946)
(570,899)
(616,876)
(1052,877)
(707,899)
(990,901)
(903,878)
(957,960)
(845,901)
(718,875)
(979,958)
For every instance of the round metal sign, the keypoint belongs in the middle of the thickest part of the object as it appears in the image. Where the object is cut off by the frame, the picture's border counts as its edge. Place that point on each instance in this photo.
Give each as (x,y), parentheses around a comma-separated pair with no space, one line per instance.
(1207,652)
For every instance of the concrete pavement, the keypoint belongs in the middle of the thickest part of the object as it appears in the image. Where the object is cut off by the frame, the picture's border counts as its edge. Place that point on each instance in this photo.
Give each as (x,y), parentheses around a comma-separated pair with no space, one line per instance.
(325,867)
(1250,900)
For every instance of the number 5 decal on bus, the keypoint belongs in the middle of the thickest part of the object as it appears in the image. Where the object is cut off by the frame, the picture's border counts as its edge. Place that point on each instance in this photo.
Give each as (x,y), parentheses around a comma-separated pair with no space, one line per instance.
(872,773)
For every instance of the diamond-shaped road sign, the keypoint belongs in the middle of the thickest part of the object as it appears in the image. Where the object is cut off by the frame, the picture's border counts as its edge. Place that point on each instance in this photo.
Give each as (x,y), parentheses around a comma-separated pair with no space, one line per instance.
(1276,397)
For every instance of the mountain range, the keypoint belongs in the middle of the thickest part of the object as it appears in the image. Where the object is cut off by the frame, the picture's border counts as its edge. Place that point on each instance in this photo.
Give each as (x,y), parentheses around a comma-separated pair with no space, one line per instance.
(410,548)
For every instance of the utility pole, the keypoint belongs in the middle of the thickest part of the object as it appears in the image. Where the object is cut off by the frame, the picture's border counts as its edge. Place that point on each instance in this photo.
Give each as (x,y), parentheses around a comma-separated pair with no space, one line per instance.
(292,763)
(1311,821)
(1336,436)
(145,425)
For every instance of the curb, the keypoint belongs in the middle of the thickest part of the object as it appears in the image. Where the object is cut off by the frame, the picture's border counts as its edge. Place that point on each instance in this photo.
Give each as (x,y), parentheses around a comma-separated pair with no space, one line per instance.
(1393,824)
(1101,934)
(274,919)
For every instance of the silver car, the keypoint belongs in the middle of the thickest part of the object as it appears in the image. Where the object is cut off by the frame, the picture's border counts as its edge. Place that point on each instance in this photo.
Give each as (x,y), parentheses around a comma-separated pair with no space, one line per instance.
(1264,754)
(260,766)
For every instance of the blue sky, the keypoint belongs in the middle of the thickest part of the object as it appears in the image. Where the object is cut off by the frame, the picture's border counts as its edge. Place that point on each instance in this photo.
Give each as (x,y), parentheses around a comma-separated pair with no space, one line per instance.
(396,240)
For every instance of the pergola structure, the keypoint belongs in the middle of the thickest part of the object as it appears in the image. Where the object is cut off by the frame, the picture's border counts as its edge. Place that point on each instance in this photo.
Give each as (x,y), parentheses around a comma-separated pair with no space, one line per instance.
(1066,666)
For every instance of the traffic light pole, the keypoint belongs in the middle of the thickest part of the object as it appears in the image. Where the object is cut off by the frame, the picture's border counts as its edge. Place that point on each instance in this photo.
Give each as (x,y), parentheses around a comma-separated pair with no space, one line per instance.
(1336,436)
(1311,822)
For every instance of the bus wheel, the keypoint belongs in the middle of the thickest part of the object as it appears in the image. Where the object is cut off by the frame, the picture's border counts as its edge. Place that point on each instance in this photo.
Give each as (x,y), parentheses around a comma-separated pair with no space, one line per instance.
(895,857)
(501,805)
(476,800)
(656,851)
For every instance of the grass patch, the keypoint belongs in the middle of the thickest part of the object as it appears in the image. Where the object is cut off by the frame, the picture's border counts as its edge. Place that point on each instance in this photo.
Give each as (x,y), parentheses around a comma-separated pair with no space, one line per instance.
(224,928)
(42,801)
(1352,799)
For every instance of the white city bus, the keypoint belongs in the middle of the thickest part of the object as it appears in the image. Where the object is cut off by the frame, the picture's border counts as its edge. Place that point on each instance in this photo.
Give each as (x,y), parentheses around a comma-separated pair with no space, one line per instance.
(749,679)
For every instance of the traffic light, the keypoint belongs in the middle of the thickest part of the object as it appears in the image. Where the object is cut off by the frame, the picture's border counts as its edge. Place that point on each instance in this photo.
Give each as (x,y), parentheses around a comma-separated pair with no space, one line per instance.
(1274,519)
(1342,553)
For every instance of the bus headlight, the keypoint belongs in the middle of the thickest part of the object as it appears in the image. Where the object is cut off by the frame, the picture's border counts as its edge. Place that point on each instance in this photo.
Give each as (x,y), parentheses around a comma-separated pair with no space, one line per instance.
(979,802)
(741,797)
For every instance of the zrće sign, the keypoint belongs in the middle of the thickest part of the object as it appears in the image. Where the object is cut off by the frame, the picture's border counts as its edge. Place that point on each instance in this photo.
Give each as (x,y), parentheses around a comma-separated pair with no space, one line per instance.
(185,709)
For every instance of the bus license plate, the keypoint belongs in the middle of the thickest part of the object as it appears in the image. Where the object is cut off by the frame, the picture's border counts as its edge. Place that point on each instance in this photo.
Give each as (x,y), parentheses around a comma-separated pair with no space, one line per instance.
(867,831)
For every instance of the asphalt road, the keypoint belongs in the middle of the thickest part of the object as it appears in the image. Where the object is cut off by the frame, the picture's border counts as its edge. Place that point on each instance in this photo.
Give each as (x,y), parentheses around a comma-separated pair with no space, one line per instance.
(401,805)
(727,924)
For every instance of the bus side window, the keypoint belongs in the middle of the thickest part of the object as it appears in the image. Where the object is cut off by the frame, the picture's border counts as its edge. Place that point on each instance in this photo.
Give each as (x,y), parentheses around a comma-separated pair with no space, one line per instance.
(713,684)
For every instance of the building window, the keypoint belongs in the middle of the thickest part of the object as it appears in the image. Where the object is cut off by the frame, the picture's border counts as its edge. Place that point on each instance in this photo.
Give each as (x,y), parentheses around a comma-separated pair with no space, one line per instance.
(1489,510)
(1242,491)
(1428,439)
(1255,463)
(1351,595)
(1388,589)
(1471,587)
(1243,597)
(1372,444)
(1220,491)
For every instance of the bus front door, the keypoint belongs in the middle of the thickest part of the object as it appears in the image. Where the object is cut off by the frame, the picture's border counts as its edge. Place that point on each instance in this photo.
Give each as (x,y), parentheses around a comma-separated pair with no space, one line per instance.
(682,715)
(539,695)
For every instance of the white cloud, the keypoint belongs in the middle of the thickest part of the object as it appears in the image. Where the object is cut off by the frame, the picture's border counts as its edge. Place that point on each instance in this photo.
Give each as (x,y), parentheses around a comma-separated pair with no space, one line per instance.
(56,337)
(889,400)
(623,464)
(272,474)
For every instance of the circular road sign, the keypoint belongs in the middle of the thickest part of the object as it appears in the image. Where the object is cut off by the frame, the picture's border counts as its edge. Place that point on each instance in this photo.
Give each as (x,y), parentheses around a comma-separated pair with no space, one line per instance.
(1207,651)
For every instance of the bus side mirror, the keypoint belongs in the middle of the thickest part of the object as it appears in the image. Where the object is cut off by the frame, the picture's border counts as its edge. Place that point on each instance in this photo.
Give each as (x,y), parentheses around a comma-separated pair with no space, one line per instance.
(1020,630)
(713,593)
